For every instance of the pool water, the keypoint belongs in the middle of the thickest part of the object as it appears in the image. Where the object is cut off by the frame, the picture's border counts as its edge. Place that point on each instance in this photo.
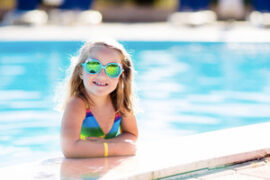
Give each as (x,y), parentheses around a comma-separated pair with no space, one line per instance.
(183,88)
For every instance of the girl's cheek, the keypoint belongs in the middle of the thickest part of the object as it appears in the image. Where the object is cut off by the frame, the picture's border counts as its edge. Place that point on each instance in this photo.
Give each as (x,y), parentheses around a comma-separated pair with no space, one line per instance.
(116,81)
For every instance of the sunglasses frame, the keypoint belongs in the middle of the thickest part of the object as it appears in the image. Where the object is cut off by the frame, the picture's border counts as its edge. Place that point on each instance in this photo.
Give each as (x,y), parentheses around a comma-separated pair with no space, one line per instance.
(102,67)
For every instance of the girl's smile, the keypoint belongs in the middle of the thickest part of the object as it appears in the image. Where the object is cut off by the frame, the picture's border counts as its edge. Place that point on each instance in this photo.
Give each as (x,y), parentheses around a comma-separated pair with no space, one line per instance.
(100,84)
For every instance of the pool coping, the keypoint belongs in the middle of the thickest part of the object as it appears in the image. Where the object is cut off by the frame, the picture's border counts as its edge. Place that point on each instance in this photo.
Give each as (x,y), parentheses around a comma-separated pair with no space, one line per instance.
(178,155)
(232,146)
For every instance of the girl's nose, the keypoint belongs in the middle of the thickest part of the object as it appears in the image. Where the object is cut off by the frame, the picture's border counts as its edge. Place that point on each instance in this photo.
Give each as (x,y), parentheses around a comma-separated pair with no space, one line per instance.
(102,73)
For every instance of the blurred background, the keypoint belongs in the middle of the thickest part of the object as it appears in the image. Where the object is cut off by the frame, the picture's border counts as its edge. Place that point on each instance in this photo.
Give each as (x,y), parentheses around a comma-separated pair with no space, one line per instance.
(188,12)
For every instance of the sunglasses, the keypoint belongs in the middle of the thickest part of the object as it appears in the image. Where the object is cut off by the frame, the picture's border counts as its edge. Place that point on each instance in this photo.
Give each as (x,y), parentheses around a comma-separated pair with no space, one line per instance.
(94,66)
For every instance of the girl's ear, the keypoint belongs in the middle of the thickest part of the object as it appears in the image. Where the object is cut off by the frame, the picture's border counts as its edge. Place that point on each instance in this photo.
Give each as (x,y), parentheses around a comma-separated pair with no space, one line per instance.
(81,75)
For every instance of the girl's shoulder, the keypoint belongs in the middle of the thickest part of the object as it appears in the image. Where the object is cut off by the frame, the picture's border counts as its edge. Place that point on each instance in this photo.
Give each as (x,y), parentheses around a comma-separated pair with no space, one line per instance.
(74,113)
(125,113)
(76,102)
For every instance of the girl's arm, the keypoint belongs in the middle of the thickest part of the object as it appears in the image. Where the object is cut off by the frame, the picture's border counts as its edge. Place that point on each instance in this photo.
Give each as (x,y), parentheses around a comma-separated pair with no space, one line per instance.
(74,147)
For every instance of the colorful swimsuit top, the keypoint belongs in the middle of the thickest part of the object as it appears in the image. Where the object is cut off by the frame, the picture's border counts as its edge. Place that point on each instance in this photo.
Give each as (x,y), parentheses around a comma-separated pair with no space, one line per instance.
(91,128)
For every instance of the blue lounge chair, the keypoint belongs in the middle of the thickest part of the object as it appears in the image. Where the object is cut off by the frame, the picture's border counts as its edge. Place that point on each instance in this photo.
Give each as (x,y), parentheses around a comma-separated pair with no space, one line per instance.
(23,13)
(193,5)
(76,5)
(192,13)
(261,12)
(261,5)
(23,5)
(76,12)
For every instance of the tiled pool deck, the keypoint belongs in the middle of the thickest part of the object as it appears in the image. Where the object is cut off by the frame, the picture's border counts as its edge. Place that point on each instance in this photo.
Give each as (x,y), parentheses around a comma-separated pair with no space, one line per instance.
(221,31)
(208,156)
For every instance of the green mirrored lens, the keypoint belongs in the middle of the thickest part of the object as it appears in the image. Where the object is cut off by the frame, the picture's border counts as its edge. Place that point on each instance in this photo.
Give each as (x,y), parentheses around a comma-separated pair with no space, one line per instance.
(93,67)
(113,70)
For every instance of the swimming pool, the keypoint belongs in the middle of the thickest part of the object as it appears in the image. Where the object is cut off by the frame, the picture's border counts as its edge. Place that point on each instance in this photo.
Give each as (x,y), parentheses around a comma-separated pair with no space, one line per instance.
(183,88)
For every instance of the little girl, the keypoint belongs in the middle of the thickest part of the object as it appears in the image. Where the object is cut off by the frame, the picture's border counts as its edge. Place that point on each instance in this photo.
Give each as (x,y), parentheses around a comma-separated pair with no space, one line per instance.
(98,117)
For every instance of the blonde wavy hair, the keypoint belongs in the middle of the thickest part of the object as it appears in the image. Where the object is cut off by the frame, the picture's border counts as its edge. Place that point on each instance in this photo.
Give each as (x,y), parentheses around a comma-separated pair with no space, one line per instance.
(122,97)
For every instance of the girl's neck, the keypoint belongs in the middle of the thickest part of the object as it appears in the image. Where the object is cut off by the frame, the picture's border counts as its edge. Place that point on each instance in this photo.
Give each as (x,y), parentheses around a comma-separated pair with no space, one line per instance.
(100,101)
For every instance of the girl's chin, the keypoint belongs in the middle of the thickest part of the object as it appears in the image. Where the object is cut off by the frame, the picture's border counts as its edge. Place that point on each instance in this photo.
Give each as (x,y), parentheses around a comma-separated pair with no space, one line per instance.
(99,93)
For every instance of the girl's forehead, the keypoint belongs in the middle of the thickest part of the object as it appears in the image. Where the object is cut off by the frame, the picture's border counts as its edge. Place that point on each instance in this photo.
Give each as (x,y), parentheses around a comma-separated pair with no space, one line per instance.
(106,55)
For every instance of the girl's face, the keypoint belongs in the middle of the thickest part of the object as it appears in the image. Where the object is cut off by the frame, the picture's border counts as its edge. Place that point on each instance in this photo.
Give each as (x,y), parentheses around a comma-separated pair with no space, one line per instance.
(101,84)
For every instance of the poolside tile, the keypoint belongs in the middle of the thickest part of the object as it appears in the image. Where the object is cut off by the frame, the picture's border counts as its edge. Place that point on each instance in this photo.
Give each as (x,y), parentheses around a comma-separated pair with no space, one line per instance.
(261,171)
(248,165)
(232,177)
(217,174)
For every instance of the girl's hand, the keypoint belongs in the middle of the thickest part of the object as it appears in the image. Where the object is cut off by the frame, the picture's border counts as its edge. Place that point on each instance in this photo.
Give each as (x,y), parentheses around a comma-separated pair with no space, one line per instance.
(130,147)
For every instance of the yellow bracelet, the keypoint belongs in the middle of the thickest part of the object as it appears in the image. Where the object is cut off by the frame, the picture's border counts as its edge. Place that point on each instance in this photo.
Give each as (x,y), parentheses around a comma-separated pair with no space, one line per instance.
(105,149)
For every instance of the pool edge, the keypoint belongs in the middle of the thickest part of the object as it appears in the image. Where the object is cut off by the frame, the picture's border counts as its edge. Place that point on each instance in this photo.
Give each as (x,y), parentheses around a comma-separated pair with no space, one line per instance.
(228,157)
